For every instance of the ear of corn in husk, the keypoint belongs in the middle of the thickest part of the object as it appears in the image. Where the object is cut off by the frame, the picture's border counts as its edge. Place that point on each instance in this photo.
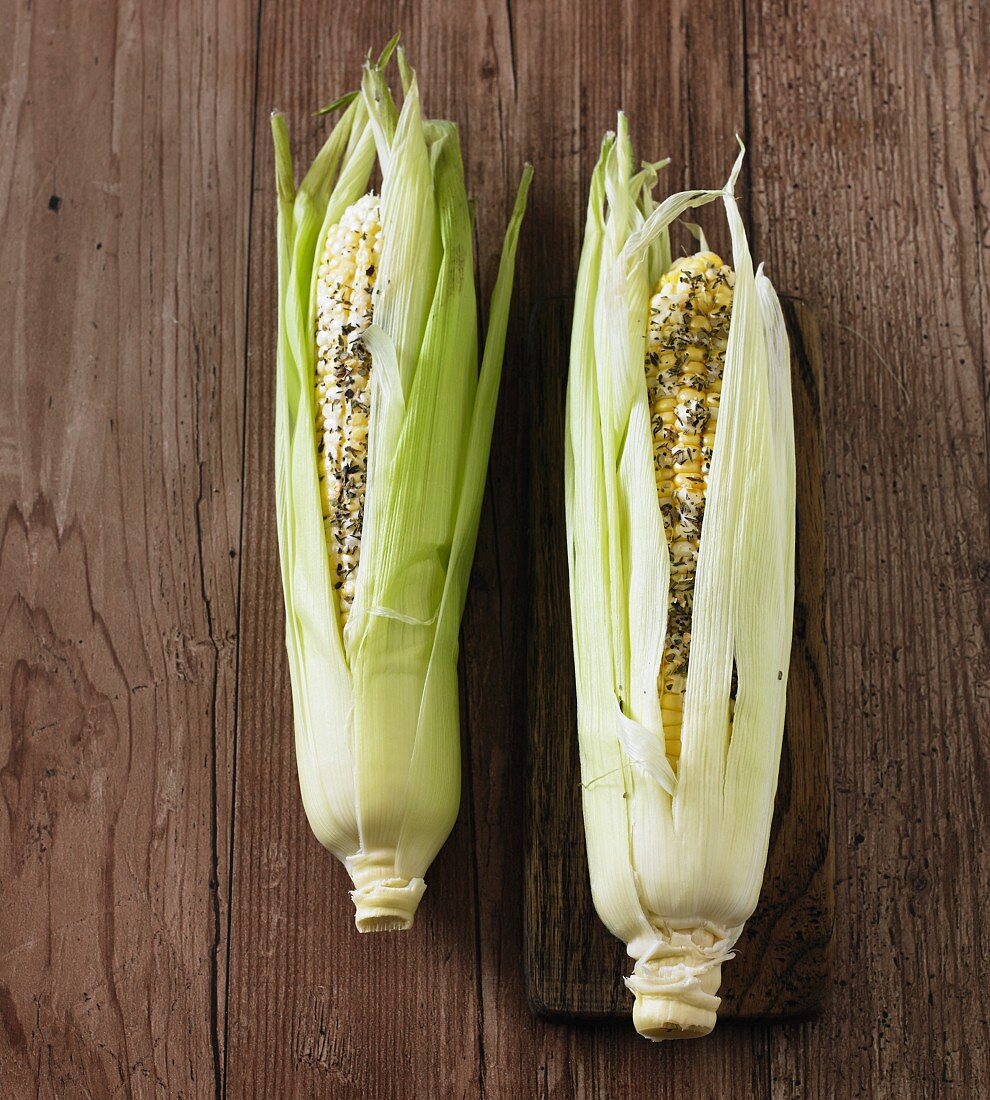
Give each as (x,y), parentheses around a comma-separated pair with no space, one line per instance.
(383,426)
(680,508)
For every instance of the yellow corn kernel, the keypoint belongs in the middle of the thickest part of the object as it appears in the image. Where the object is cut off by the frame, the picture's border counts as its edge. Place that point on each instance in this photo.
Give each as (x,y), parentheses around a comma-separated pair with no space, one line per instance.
(686,343)
(345,279)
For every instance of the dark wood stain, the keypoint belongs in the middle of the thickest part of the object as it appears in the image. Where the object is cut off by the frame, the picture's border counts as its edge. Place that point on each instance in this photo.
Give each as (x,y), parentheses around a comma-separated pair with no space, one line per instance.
(168,926)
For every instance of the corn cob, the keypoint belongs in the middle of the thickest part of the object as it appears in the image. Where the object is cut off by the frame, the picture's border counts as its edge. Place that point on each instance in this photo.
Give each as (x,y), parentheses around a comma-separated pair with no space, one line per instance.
(383,423)
(686,343)
(345,280)
(681,557)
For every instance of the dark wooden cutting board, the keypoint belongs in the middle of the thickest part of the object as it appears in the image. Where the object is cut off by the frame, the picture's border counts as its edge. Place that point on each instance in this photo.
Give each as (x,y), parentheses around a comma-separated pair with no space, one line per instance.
(574,966)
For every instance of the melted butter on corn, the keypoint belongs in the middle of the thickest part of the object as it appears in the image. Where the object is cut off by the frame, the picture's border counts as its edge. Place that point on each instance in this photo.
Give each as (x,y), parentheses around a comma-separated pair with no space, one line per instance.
(346,277)
(686,343)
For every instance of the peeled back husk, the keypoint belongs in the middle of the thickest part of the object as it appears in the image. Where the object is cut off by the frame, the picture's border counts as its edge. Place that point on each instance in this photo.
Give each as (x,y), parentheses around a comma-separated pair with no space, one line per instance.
(676,858)
(376,703)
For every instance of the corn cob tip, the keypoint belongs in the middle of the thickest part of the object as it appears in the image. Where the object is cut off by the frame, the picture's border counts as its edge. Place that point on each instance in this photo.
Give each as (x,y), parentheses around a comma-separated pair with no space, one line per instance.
(383,901)
(675,1015)
(676,984)
(388,906)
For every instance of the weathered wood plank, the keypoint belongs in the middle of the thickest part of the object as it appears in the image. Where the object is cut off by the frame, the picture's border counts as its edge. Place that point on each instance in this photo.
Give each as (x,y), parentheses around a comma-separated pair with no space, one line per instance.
(124,131)
(120,458)
(869,152)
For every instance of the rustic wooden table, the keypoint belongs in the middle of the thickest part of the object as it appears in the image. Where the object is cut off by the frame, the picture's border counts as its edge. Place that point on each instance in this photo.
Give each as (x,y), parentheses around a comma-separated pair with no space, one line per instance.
(168,925)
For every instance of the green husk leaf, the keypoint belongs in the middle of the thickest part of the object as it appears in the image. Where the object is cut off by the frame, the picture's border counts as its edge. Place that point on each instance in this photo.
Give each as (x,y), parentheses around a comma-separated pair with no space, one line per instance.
(699,235)
(406,75)
(602,760)
(386,55)
(482,421)
(320,681)
(343,101)
(411,246)
(408,554)
(427,764)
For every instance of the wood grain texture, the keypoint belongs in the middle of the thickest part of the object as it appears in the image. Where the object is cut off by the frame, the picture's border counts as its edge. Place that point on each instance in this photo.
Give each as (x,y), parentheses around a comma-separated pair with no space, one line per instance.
(871,202)
(123,250)
(574,966)
(126,660)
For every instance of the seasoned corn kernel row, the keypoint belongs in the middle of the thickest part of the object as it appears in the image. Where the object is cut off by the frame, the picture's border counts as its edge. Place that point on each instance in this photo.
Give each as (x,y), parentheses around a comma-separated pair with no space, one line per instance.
(686,343)
(345,279)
